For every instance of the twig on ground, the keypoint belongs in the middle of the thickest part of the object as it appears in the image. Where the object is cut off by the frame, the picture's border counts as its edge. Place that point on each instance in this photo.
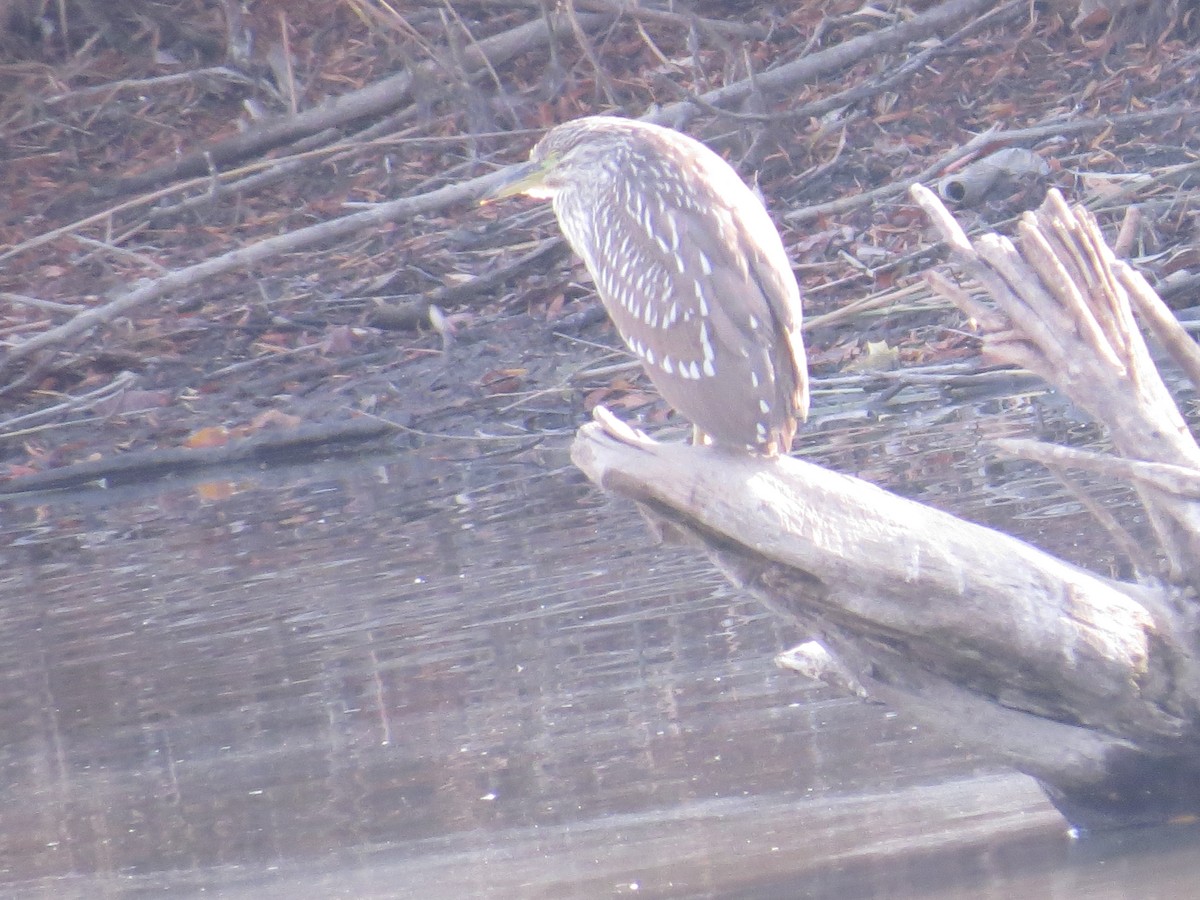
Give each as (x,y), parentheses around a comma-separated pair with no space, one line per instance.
(336,229)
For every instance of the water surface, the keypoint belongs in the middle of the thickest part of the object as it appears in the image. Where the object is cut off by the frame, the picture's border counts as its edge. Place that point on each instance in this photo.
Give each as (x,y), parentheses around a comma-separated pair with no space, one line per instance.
(445,675)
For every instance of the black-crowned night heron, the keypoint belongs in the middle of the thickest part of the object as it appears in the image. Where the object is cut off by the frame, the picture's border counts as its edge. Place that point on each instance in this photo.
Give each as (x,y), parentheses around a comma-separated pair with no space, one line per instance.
(690,268)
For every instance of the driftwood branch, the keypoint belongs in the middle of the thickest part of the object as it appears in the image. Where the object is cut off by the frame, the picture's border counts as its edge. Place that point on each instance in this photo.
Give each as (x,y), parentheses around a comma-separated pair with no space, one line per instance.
(799,516)
(1088,684)
(1066,314)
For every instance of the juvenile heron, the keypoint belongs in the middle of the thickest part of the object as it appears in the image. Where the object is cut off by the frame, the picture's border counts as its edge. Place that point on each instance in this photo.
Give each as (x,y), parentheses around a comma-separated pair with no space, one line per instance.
(690,268)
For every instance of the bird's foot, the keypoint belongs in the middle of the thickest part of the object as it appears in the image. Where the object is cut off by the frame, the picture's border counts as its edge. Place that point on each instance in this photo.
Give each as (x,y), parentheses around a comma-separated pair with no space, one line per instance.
(619,430)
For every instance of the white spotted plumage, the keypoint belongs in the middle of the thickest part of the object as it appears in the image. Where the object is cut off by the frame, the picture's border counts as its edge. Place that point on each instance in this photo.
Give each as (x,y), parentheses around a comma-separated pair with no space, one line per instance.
(691,269)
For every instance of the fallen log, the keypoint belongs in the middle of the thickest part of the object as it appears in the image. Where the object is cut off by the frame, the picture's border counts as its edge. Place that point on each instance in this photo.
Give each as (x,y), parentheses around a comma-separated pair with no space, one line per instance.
(1088,684)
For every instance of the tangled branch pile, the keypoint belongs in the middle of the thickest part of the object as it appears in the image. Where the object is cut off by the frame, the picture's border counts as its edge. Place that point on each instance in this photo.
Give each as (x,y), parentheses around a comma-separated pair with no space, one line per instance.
(240,221)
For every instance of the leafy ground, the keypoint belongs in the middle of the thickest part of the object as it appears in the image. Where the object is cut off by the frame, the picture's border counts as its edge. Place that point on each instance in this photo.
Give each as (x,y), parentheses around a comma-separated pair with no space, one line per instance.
(150,149)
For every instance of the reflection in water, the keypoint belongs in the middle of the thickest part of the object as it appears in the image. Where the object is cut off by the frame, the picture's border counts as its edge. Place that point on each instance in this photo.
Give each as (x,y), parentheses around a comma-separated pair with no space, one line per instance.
(427,678)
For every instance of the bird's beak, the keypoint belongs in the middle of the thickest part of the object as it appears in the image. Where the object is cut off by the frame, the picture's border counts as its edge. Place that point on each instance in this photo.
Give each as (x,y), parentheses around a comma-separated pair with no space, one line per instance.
(518,179)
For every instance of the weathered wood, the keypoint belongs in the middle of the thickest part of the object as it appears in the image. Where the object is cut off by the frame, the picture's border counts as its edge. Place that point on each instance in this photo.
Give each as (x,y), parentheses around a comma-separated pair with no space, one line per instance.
(1066,314)
(958,599)
(1088,684)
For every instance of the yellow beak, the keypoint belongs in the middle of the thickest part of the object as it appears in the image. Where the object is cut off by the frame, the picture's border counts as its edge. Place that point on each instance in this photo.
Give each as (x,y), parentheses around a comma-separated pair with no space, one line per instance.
(519,179)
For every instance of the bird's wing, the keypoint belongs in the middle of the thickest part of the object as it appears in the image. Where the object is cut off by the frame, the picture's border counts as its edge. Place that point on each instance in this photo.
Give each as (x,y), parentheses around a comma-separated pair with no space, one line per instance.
(752,274)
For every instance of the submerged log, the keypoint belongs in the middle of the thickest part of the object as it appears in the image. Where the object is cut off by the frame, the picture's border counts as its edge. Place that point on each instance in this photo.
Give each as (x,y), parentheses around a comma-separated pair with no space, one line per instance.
(1088,684)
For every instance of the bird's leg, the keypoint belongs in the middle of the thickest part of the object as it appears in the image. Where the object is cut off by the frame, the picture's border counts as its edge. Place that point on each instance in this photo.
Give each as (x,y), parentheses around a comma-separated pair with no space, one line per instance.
(699,438)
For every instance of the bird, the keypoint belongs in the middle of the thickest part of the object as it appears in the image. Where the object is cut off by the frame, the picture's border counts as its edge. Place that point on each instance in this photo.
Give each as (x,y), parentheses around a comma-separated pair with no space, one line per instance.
(690,268)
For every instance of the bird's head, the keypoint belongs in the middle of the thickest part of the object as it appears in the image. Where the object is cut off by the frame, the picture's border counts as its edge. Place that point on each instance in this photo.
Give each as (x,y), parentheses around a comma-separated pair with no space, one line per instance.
(570,154)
